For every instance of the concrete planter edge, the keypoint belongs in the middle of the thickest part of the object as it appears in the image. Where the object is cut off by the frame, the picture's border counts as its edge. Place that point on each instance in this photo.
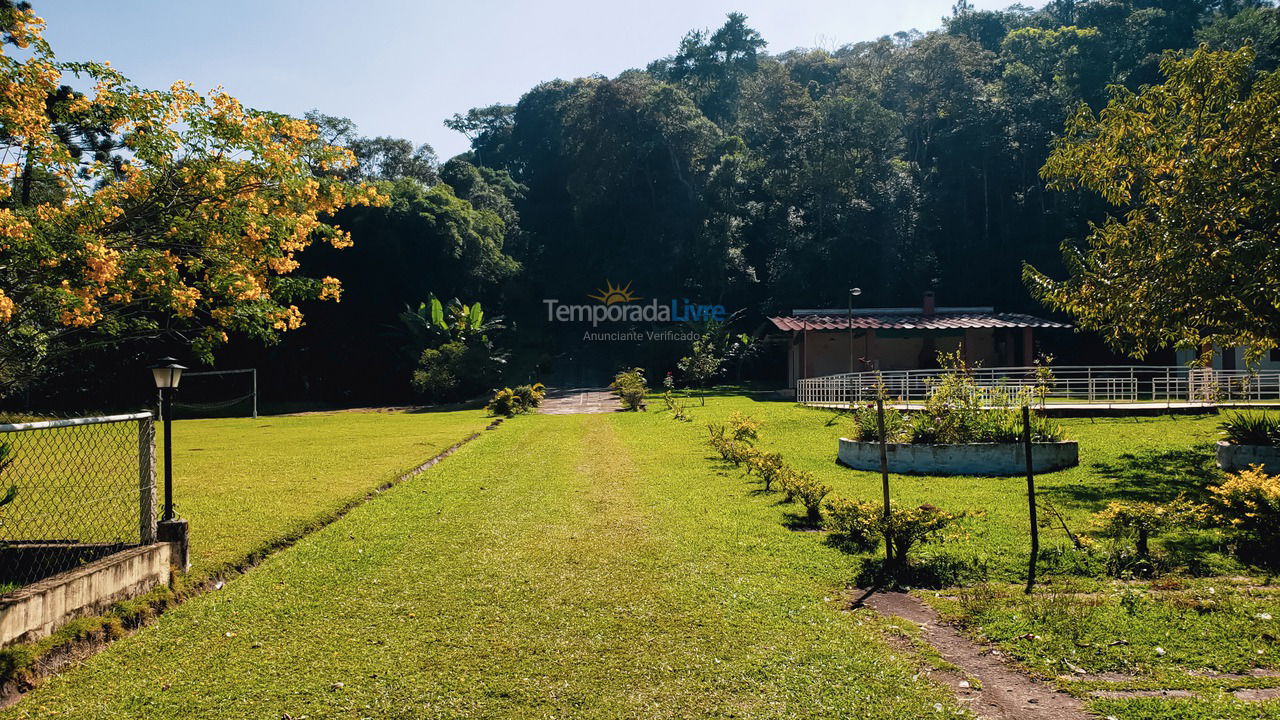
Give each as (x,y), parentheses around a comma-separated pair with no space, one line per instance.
(959,459)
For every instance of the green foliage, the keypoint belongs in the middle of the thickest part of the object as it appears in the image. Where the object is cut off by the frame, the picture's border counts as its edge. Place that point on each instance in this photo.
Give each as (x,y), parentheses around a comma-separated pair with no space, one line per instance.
(732,449)
(1251,429)
(1142,520)
(709,352)
(1189,165)
(530,395)
(767,466)
(456,371)
(803,486)
(957,410)
(743,428)
(1249,503)
(853,521)
(906,527)
(630,387)
(506,402)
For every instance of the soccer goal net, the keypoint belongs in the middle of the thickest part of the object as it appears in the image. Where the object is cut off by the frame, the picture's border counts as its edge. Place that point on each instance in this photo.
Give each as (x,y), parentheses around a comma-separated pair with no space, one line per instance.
(217,393)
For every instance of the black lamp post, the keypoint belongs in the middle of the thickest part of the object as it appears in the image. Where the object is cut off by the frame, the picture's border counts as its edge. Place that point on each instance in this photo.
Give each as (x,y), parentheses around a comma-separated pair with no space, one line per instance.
(167,373)
(852,293)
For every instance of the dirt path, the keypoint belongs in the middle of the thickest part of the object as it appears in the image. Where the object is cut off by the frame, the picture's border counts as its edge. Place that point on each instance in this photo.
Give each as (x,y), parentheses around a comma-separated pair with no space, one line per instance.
(1005,693)
(579,401)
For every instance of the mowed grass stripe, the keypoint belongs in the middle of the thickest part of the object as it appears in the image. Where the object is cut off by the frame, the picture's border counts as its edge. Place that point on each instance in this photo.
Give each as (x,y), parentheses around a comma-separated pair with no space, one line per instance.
(557,567)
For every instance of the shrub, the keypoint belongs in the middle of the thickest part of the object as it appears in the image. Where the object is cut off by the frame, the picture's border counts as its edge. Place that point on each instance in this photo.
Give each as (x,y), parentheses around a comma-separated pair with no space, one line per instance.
(853,521)
(908,526)
(1249,501)
(1251,429)
(789,480)
(809,491)
(1141,520)
(505,402)
(904,528)
(456,371)
(731,450)
(767,466)
(530,395)
(675,407)
(956,411)
(743,428)
(897,425)
(630,387)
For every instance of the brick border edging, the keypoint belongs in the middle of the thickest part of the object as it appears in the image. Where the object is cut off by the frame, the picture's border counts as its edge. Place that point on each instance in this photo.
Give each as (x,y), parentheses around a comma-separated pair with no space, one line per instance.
(13,689)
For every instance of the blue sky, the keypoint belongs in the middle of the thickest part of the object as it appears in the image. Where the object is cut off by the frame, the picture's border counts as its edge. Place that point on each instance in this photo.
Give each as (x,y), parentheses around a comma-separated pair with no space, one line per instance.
(398,67)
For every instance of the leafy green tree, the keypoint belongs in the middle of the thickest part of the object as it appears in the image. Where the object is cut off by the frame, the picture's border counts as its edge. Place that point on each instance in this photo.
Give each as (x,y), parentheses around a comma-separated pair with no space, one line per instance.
(1190,258)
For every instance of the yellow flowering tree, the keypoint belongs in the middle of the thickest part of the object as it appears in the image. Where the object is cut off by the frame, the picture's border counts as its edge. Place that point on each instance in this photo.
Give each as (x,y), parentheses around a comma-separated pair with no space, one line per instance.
(191,226)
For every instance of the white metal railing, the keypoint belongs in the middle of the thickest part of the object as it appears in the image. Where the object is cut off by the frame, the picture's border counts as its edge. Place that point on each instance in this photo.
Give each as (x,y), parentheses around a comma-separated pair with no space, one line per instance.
(1082,384)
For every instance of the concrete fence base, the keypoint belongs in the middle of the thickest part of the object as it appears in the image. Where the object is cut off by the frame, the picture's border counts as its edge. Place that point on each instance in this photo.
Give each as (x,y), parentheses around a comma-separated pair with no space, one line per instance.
(965,459)
(37,610)
(1234,458)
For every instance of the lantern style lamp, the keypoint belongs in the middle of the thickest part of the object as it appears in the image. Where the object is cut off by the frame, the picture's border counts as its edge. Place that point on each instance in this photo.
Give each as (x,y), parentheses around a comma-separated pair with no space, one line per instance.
(167,373)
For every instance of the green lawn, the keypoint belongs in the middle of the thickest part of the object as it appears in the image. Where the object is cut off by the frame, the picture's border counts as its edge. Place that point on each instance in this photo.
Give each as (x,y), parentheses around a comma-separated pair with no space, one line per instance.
(246,484)
(1131,458)
(609,566)
(561,566)
(1176,633)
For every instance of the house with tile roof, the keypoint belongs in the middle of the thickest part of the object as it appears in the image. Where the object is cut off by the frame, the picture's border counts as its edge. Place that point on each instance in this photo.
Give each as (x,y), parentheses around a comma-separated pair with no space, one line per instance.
(830,341)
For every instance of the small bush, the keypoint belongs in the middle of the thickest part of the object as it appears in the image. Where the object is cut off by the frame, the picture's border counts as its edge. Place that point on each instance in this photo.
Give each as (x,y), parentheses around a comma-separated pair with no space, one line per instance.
(897,425)
(677,409)
(743,428)
(1249,502)
(1251,429)
(736,451)
(506,403)
(853,521)
(908,526)
(809,491)
(1141,520)
(767,466)
(530,395)
(630,387)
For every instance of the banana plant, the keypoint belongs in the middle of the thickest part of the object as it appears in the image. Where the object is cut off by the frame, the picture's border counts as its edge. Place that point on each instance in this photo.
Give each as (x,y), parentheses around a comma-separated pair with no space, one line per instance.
(433,321)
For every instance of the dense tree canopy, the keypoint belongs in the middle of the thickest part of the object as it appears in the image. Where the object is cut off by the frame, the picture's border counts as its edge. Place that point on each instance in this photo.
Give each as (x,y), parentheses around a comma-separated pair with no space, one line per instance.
(726,173)
(1191,165)
(899,164)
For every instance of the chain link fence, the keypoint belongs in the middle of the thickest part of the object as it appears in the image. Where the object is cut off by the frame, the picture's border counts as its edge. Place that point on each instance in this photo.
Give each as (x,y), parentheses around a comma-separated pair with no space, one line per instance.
(75,490)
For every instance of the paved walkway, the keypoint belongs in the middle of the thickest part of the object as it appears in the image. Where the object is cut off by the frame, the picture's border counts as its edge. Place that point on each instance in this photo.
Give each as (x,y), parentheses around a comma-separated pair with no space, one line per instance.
(579,401)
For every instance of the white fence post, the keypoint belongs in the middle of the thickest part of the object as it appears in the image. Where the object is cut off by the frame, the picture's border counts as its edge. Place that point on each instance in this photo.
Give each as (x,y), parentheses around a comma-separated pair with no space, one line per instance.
(147,480)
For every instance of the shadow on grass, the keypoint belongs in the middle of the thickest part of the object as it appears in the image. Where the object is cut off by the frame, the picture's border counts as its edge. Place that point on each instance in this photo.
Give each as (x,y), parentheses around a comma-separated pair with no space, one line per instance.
(1150,476)
(797,522)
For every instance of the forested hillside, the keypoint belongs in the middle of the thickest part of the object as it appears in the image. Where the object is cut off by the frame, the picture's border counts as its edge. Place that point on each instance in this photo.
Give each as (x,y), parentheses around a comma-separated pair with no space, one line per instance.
(768,180)
(737,173)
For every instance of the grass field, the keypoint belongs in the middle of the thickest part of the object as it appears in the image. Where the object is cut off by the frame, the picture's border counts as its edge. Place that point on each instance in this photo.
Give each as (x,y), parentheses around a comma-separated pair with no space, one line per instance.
(1209,634)
(245,484)
(608,566)
(561,566)
(1130,458)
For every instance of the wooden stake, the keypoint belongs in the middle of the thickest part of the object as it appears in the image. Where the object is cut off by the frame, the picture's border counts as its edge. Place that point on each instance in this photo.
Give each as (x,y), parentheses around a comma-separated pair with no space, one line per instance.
(1031,499)
(884,481)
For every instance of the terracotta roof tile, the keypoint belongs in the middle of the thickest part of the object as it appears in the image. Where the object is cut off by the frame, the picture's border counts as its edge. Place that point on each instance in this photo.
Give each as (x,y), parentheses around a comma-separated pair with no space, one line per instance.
(941,320)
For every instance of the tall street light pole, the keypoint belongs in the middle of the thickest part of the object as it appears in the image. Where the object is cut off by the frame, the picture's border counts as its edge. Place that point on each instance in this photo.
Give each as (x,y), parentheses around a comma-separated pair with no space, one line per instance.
(852,293)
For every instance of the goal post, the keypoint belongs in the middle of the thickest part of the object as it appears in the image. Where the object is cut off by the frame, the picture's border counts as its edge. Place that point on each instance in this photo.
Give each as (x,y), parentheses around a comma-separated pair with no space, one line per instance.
(225,397)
